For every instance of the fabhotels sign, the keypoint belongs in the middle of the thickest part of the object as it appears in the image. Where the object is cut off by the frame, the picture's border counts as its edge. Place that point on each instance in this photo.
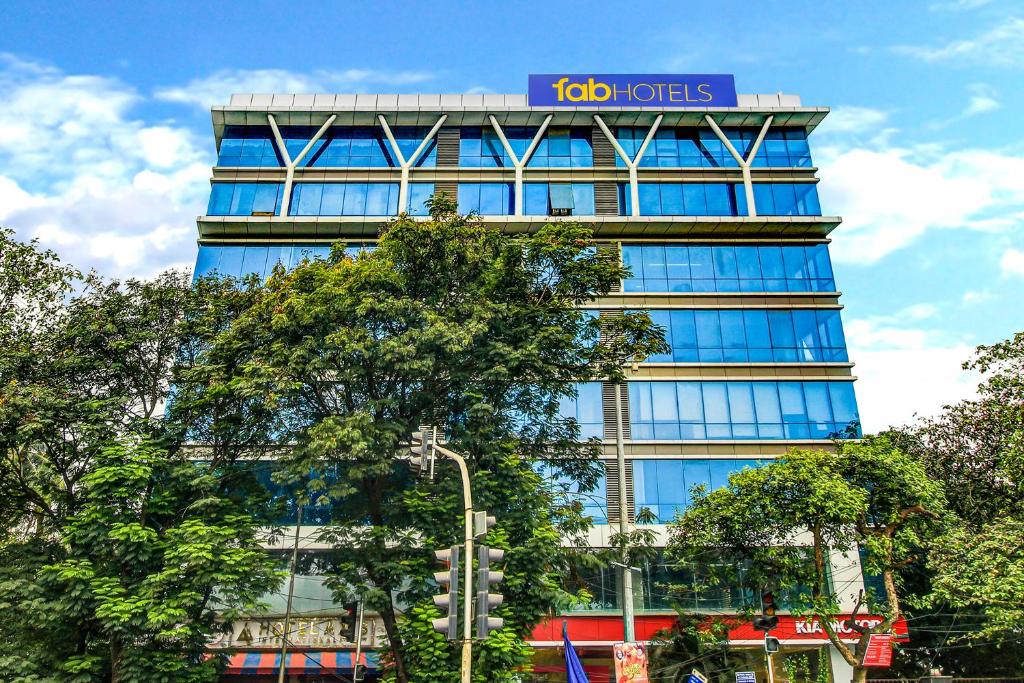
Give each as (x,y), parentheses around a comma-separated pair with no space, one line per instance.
(632,90)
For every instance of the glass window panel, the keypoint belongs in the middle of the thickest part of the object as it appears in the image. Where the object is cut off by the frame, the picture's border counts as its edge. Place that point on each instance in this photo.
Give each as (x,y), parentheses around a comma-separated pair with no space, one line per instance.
(672,199)
(663,397)
(654,262)
(254,260)
(709,330)
(695,473)
(583,199)
(640,408)
(805,326)
(741,402)
(766,403)
(716,402)
(817,399)
(354,203)
(378,200)
(242,199)
(733,336)
(701,266)
(725,262)
(719,199)
(763,199)
(684,337)
(784,195)
(560,195)
(220,199)
(791,399)
(691,405)
(650,199)
(695,199)
(844,403)
(207,260)
(419,193)
(677,261)
(535,200)
(231,261)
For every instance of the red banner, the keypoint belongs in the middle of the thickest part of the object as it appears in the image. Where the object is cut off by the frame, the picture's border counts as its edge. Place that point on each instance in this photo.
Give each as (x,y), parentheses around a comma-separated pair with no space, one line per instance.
(879,652)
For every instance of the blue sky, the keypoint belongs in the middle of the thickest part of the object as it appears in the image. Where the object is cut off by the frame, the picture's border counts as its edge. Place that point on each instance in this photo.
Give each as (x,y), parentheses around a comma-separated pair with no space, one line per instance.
(105,143)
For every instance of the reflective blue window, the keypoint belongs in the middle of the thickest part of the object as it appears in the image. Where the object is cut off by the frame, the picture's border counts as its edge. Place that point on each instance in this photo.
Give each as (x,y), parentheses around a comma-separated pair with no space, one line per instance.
(723,268)
(567,490)
(563,148)
(486,199)
(784,147)
(750,336)
(244,199)
(419,193)
(701,148)
(684,199)
(665,486)
(357,146)
(239,260)
(537,198)
(786,199)
(587,409)
(344,199)
(283,497)
(248,146)
(480,147)
(742,410)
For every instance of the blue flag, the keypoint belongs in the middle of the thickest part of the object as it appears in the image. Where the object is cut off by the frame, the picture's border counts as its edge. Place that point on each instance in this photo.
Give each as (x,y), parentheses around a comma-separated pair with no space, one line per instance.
(573,668)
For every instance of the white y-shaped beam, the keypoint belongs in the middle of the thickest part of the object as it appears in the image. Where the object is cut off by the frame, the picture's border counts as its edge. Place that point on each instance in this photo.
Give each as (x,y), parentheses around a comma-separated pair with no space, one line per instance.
(631,164)
(407,164)
(290,163)
(517,163)
(748,185)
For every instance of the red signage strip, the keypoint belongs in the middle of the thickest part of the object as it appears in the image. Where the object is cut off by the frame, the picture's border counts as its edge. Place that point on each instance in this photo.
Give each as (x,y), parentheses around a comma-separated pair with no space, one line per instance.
(606,630)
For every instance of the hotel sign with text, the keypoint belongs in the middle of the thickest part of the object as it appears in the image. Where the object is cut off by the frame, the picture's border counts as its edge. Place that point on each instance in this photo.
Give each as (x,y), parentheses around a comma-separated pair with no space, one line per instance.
(632,90)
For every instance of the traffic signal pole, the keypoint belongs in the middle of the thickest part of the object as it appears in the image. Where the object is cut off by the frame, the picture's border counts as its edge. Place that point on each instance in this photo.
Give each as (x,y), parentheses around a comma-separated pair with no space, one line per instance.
(467,611)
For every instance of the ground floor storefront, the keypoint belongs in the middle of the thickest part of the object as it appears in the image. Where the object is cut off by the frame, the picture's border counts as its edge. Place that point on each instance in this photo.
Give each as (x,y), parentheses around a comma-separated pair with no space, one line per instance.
(321,654)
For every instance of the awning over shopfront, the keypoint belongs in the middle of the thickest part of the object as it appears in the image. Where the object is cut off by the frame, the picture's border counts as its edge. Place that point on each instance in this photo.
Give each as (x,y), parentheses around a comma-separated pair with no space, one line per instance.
(302,662)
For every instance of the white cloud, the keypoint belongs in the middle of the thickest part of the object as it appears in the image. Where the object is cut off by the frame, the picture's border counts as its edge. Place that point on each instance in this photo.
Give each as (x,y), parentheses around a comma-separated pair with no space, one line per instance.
(905,371)
(954,5)
(1002,45)
(980,104)
(1012,262)
(853,120)
(217,87)
(79,171)
(890,195)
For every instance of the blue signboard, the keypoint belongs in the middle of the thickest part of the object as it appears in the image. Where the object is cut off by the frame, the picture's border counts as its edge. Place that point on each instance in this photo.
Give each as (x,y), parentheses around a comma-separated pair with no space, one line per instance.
(632,90)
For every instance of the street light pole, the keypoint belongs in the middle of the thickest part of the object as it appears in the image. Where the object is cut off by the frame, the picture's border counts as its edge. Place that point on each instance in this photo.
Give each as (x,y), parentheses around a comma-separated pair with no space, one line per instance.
(467,612)
(291,592)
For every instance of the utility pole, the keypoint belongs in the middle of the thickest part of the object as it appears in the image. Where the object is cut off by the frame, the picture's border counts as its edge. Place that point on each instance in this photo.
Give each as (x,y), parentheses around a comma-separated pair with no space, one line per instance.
(628,622)
(291,592)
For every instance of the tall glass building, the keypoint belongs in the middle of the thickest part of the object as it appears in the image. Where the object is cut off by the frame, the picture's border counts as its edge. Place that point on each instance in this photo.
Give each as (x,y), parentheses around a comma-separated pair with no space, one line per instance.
(714,210)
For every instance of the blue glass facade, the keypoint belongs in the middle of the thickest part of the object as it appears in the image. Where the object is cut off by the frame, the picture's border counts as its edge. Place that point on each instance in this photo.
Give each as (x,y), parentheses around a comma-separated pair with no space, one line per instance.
(240,260)
(586,409)
(664,486)
(725,268)
(677,411)
(558,148)
(701,148)
(721,199)
(537,198)
(751,336)
(487,199)
(340,147)
(344,199)
(245,199)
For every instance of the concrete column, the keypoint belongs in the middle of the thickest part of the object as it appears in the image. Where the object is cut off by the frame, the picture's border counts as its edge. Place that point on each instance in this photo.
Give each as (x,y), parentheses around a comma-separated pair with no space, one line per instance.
(842,672)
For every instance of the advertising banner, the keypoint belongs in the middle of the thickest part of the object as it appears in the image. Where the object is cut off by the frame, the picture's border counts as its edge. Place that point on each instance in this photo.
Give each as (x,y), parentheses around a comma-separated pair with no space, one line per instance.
(632,90)
(630,662)
(879,652)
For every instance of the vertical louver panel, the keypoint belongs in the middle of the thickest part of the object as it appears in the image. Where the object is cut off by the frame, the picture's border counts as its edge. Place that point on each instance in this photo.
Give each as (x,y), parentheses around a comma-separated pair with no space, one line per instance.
(612,248)
(450,188)
(448,147)
(606,199)
(608,400)
(612,491)
(604,152)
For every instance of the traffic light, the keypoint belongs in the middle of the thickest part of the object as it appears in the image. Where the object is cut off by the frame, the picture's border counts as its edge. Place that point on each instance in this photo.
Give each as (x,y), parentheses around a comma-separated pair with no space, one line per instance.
(485,578)
(771,645)
(768,619)
(349,621)
(449,600)
(485,600)
(423,449)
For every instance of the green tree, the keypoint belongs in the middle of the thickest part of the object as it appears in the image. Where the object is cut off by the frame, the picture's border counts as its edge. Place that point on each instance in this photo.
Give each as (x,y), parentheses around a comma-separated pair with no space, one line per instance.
(447,322)
(85,365)
(782,520)
(975,448)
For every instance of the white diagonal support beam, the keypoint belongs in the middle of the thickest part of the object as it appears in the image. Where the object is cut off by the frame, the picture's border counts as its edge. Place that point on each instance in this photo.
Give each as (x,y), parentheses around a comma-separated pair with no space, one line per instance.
(744,163)
(406,165)
(291,164)
(517,163)
(631,163)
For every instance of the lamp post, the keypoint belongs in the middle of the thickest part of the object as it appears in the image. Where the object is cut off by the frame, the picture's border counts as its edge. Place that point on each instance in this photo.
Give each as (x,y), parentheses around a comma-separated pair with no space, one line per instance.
(628,617)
